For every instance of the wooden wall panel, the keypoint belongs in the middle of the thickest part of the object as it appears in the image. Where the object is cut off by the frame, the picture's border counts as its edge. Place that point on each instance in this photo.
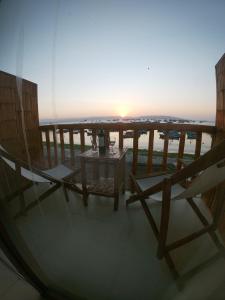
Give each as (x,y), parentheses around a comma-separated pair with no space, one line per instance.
(12,134)
(220,93)
(220,135)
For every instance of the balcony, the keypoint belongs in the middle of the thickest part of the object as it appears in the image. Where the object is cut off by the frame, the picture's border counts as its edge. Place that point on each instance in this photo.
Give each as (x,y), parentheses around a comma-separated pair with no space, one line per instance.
(95,252)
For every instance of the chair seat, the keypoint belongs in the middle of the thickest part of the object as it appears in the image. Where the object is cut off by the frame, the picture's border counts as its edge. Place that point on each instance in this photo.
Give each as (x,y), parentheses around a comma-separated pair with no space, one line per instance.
(59,172)
(149,182)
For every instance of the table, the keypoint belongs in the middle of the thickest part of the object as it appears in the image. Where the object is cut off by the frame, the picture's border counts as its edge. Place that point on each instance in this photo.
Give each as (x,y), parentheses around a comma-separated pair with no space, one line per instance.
(101,183)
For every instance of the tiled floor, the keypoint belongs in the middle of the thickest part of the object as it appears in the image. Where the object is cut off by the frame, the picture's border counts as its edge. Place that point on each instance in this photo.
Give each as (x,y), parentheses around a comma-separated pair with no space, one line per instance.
(97,253)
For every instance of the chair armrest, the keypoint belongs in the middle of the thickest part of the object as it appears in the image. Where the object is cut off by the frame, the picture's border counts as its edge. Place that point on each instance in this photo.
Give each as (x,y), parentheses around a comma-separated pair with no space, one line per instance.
(69,181)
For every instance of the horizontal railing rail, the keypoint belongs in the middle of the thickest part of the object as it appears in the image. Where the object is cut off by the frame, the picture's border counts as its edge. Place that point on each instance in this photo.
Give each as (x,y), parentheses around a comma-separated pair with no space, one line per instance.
(53,137)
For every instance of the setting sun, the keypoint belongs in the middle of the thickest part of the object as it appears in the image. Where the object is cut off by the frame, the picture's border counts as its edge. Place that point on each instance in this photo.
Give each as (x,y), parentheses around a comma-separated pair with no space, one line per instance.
(122,111)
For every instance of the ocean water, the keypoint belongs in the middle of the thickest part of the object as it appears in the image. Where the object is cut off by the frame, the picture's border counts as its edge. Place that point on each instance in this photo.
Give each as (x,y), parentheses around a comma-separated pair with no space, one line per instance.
(143,140)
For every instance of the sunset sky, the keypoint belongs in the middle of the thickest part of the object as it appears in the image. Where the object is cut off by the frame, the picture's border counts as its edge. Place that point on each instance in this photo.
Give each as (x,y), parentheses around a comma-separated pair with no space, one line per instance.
(96,58)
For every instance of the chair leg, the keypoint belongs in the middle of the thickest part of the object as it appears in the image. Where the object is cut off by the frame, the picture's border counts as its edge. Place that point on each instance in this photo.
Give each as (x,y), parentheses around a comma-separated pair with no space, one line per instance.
(165,212)
(218,210)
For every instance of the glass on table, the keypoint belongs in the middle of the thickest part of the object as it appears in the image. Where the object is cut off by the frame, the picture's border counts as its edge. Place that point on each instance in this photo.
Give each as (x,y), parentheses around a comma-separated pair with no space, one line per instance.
(112,143)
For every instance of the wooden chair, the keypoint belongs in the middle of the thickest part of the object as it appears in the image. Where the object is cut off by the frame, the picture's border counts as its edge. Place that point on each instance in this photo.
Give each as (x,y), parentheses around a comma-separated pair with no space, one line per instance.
(25,176)
(208,172)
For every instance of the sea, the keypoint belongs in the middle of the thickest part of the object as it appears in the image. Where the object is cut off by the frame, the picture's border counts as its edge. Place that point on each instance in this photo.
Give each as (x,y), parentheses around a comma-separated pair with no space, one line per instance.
(143,139)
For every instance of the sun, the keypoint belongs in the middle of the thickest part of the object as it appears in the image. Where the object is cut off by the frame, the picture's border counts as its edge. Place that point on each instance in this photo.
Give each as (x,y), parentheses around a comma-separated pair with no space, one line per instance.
(122,111)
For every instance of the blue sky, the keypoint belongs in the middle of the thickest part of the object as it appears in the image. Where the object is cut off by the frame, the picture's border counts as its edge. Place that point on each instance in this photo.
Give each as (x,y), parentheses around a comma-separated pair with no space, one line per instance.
(116,57)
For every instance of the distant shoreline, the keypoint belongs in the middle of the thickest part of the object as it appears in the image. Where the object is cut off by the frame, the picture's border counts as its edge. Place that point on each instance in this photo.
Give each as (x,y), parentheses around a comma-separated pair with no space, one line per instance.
(116,119)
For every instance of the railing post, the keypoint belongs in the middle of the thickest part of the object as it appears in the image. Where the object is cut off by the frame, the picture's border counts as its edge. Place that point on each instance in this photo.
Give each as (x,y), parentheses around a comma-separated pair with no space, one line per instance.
(48,147)
(121,138)
(165,152)
(181,149)
(150,151)
(198,145)
(71,145)
(55,145)
(135,152)
(82,140)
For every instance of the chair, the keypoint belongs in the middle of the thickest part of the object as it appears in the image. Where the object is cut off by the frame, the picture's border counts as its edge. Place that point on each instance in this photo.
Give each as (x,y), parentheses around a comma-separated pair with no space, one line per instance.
(26,176)
(205,173)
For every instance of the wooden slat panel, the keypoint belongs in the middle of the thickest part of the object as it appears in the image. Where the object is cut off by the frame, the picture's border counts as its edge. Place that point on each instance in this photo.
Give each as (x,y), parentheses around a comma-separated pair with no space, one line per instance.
(55,146)
(135,152)
(82,140)
(62,144)
(48,148)
(165,153)
(150,151)
(121,138)
(198,145)
(181,149)
(71,146)
(10,108)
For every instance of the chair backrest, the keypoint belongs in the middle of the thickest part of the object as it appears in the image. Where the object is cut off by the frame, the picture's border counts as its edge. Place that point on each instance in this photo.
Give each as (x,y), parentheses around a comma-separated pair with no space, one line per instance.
(205,180)
(24,170)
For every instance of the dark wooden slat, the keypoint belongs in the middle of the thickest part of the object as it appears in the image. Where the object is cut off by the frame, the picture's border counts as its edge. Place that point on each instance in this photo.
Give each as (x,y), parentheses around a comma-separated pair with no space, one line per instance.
(71,146)
(94,135)
(165,153)
(55,146)
(198,145)
(181,149)
(135,152)
(48,148)
(82,140)
(121,138)
(150,151)
(62,144)
(107,137)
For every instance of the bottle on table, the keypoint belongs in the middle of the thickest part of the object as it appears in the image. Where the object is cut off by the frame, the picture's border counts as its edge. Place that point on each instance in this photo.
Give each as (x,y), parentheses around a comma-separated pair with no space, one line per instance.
(101,142)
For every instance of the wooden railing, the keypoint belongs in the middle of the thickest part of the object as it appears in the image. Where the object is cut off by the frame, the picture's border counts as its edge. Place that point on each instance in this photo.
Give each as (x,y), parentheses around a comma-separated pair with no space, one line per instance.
(53,138)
